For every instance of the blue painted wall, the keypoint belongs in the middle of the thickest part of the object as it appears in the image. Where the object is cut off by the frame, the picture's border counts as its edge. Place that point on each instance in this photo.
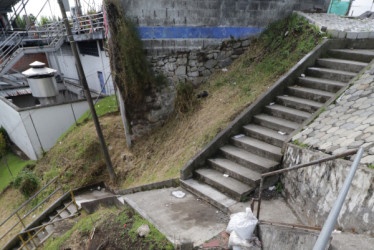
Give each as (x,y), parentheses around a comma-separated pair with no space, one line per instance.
(197,32)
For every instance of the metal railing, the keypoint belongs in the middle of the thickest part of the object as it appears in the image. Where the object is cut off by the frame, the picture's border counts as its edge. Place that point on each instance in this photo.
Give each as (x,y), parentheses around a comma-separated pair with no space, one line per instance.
(31,236)
(21,210)
(49,35)
(331,220)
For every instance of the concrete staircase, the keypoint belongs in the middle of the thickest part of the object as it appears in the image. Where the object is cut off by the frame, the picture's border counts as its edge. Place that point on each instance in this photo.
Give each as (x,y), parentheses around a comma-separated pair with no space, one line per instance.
(67,209)
(234,171)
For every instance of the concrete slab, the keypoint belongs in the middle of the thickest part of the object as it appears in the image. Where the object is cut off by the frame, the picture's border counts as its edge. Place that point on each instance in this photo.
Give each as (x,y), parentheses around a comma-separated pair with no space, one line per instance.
(91,196)
(348,241)
(274,210)
(179,219)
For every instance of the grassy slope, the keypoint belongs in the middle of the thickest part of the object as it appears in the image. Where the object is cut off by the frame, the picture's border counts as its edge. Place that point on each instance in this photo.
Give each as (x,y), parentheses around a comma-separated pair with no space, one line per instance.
(162,154)
(15,164)
(118,228)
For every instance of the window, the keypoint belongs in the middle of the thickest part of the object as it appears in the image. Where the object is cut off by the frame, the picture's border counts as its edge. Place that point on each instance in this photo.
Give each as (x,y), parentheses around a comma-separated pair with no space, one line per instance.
(88,48)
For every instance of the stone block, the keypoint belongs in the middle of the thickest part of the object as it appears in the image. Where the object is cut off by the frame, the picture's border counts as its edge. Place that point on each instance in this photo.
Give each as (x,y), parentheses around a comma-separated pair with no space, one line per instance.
(363,35)
(352,35)
(333,33)
(181,70)
(342,34)
(211,63)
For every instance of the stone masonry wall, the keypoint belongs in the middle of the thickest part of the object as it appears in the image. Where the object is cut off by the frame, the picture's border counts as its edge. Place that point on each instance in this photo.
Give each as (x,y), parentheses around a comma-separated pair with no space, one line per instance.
(197,65)
(312,191)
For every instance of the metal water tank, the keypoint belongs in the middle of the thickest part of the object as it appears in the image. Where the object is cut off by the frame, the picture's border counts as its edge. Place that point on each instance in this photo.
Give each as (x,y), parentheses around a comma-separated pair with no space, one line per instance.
(42,82)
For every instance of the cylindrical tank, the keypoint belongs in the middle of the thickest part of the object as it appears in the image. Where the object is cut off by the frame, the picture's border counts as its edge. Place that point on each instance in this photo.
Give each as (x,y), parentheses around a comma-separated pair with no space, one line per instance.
(42,82)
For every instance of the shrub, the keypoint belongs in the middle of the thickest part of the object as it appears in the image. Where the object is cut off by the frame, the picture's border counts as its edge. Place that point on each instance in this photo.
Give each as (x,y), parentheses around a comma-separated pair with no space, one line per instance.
(5,136)
(3,146)
(27,182)
(185,97)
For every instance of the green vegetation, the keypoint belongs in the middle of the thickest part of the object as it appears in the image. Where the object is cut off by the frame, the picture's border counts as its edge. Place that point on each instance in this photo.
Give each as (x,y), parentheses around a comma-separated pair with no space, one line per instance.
(371,166)
(133,75)
(3,146)
(184,100)
(15,164)
(279,187)
(118,228)
(302,145)
(84,225)
(27,182)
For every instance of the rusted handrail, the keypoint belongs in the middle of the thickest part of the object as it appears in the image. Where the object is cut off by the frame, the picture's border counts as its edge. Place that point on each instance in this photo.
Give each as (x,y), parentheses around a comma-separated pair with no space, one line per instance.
(281,171)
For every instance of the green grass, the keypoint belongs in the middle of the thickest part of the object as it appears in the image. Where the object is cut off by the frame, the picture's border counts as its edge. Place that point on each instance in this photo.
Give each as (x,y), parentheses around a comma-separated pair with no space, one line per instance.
(302,145)
(371,166)
(104,106)
(15,164)
(84,225)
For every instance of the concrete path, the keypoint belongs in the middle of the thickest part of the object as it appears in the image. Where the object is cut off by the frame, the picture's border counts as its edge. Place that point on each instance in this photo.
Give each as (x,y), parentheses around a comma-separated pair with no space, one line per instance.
(192,219)
(187,219)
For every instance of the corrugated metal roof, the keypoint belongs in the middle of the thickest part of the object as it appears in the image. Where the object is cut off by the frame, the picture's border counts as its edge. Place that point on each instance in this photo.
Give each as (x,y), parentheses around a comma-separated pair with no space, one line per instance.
(15,92)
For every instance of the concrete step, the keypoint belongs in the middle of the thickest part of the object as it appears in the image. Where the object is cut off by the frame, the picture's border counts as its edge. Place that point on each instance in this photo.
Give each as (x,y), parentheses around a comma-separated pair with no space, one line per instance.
(247,159)
(275,123)
(265,134)
(287,113)
(50,228)
(71,208)
(298,103)
(361,55)
(341,64)
(235,170)
(209,194)
(42,235)
(310,94)
(63,214)
(321,84)
(331,74)
(227,185)
(258,147)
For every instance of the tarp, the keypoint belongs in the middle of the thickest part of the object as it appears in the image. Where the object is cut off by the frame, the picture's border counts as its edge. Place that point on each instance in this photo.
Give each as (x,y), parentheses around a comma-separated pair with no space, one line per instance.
(339,7)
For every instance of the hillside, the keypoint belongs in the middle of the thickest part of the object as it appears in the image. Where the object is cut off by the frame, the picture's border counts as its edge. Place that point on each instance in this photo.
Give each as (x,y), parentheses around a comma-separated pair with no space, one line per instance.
(162,154)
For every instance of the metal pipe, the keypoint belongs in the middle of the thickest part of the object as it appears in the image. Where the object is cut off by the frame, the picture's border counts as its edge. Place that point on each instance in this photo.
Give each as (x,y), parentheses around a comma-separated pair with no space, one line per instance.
(289,225)
(334,213)
(259,198)
(346,153)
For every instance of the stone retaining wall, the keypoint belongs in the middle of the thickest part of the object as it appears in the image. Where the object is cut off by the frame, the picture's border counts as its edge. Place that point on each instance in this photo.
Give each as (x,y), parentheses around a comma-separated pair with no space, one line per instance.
(197,65)
(312,191)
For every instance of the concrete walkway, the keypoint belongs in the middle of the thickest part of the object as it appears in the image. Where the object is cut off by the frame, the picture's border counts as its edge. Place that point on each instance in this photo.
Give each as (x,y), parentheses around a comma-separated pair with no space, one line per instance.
(190,219)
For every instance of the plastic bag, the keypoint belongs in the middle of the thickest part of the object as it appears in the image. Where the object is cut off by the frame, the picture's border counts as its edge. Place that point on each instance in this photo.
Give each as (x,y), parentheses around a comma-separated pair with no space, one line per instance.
(243,223)
(238,243)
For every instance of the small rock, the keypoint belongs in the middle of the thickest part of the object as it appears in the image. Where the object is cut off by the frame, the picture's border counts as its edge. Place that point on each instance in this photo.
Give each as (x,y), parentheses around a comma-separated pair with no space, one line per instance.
(202,94)
(143,230)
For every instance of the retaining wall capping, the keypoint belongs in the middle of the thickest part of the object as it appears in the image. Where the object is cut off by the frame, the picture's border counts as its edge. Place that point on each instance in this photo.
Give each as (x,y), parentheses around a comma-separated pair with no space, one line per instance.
(313,202)
(156,185)
(341,26)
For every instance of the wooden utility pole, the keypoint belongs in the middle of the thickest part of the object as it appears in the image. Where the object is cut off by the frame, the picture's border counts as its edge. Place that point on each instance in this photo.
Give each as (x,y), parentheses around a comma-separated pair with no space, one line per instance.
(82,76)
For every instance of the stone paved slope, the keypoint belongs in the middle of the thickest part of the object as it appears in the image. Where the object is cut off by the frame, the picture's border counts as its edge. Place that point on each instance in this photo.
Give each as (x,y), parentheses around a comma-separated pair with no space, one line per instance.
(349,123)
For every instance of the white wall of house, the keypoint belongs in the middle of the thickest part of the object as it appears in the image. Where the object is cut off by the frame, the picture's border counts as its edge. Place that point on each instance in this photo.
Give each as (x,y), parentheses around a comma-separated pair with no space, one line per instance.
(11,120)
(46,124)
(36,130)
(63,61)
